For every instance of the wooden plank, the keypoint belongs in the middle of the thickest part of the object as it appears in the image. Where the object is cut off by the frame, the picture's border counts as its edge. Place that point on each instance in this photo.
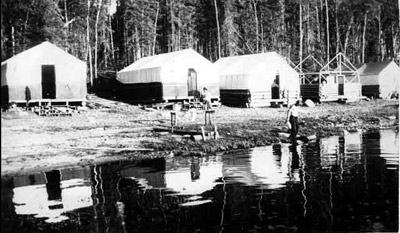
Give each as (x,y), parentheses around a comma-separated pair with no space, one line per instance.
(105,148)
(177,131)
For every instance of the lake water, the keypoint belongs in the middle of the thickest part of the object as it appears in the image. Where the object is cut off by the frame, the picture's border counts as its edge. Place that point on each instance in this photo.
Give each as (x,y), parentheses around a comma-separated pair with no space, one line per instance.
(337,184)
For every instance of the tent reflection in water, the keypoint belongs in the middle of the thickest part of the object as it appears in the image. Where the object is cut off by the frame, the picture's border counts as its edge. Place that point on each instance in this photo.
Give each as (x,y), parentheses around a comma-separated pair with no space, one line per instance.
(269,166)
(180,179)
(53,195)
(173,76)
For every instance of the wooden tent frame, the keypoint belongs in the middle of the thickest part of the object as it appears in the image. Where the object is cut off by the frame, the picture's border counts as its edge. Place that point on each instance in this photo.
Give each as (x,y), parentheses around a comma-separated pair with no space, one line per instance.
(311,80)
(341,61)
(307,77)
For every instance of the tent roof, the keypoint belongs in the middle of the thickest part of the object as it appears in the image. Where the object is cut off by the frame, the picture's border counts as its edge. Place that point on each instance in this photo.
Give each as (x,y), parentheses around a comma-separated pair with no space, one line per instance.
(246,63)
(373,68)
(39,50)
(162,60)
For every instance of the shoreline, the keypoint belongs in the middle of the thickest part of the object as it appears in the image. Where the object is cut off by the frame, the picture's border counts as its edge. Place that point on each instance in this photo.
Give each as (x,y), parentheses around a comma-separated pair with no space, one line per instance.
(120,131)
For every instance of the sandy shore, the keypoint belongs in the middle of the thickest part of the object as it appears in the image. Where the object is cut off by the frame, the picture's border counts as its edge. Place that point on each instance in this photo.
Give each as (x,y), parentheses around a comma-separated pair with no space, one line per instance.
(111,130)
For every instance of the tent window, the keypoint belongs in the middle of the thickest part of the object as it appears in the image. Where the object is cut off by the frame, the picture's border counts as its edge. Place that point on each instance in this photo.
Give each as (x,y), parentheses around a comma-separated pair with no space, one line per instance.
(48,82)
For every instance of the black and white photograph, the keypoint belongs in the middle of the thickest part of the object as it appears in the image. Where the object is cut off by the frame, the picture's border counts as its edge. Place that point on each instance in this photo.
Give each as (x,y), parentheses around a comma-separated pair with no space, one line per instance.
(200,116)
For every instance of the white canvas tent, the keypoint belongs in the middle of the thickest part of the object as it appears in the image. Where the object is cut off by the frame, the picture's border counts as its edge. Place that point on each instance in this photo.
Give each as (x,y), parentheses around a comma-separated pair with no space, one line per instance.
(170,76)
(44,73)
(258,79)
(380,79)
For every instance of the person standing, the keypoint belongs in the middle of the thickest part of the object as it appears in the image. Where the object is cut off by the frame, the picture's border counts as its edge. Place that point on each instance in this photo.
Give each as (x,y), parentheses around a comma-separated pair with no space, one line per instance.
(292,118)
(207,99)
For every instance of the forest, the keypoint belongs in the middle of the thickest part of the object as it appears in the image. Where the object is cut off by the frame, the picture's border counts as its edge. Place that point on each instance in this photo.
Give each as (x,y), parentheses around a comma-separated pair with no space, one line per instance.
(111,34)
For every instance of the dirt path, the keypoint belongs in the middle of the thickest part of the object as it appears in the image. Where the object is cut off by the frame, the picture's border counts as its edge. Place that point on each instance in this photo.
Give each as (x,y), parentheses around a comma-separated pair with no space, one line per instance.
(111,130)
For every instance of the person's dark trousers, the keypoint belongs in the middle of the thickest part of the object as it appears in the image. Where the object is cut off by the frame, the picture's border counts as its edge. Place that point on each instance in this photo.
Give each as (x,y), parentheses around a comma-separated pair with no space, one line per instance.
(295,127)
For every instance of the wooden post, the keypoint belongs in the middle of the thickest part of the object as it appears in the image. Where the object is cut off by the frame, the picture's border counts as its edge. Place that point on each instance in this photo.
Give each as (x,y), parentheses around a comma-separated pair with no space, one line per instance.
(203,135)
(173,119)
(216,135)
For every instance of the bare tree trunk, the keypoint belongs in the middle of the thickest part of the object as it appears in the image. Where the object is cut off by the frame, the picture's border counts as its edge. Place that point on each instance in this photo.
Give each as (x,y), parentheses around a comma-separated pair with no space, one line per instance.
(178,41)
(155,29)
(106,49)
(281,26)
(381,42)
(66,21)
(337,27)
(322,31)
(357,43)
(256,19)
(111,41)
(308,30)
(173,43)
(125,35)
(327,30)
(229,30)
(396,49)
(96,37)
(346,41)
(13,39)
(262,34)
(218,30)
(88,48)
(25,30)
(138,40)
(301,33)
(318,25)
(363,38)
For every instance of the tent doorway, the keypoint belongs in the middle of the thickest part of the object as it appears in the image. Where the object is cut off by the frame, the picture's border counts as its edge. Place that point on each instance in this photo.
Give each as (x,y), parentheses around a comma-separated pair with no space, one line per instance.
(275,88)
(192,83)
(48,82)
(341,84)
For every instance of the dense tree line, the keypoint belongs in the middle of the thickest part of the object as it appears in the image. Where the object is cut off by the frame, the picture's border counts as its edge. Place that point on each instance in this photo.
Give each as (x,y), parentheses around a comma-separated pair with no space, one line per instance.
(111,34)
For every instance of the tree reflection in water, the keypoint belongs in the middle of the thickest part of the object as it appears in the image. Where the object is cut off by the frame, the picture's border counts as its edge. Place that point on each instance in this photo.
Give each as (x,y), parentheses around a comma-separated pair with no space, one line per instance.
(347,183)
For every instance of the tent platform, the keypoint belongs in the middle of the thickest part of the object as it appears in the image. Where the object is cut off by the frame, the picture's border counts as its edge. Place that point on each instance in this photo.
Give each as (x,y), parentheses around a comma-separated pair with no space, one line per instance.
(39,102)
(55,110)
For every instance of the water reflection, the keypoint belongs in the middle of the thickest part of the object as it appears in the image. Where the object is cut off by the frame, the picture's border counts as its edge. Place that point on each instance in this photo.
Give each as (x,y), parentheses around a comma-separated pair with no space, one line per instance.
(347,183)
(49,197)
(192,176)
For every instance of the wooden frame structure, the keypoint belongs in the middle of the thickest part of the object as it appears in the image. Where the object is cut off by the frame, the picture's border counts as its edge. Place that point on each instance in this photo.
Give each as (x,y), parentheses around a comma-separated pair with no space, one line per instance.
(337,80)
(341,82)
(309,78)
(307,75)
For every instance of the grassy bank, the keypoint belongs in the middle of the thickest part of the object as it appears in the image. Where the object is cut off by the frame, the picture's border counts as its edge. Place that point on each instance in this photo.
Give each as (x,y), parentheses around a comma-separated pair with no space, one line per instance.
(113,131)
(247,128)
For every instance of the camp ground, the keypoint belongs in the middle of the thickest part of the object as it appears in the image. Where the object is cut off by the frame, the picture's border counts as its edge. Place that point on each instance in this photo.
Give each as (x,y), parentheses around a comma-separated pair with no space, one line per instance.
(44,74)
(336,80)
(380,79)
(257,80)
(169,77)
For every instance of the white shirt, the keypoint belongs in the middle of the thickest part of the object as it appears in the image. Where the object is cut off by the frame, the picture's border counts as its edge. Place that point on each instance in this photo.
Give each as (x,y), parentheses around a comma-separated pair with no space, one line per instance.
(295,111)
